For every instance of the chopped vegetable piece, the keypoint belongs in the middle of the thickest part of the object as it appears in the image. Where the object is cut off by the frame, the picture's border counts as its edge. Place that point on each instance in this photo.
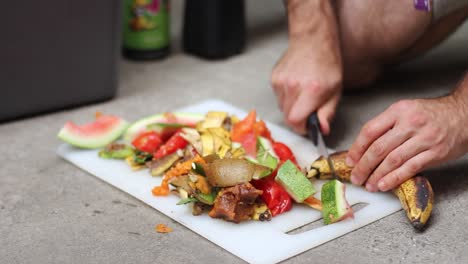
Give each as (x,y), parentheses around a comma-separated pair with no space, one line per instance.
(158,167)
(202,185)
(187,200)
(261,172)
(221,140)
(133,165)
(116,151)
(265,154)
(141,125)
(249,143)
(104,130)
(283,152)
(197,188)
(162,228)
(236,203)
(206,198)
(229,172)
(193,137)
(243,127)
(262,213)
(198,169)
(166,130)
(262,130)
(266,145)
(237,151)
(207,144)
(179,169)
(140,157)
(213,119)
(211,158)
(314,203)
(335,206)
(294,182)
(175,143)
(274,195)
(182,182)
(267,160)
(147,142)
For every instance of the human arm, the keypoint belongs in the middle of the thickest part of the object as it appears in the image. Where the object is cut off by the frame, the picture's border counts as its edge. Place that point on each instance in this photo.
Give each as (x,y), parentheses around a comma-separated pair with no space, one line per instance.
(308,76)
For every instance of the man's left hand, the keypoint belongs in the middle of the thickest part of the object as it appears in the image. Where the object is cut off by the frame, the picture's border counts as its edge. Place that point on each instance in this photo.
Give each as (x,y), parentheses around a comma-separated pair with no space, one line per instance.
(408,137)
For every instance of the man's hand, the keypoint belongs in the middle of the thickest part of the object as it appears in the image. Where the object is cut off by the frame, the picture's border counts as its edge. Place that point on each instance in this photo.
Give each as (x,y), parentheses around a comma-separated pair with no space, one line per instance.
(308,76)
(407,138)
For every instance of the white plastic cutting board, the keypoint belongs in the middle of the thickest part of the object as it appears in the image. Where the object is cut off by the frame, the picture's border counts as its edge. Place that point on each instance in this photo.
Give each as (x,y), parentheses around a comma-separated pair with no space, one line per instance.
(255,242)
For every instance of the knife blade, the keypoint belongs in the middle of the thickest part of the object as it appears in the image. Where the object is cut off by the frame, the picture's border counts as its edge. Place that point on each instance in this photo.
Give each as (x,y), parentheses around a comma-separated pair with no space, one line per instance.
(315,134)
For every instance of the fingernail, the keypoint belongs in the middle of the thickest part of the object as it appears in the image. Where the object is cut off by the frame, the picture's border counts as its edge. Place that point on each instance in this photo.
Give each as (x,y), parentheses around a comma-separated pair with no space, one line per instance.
(382,186)
(370,187)
(349,162)
(354,179)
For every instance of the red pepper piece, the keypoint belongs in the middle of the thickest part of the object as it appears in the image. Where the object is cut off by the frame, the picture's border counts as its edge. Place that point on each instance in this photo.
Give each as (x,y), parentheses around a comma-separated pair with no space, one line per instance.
(274,195)
(244,126)
(174,143)
(260,129)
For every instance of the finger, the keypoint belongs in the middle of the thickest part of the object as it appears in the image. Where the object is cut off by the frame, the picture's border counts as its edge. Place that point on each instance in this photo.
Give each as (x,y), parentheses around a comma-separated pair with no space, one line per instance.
(281,99)
(308,101)
(290,96)
(275,86)
(409,169)
(372,130)
(277,82)
(376,153)
(327,112)
(395,159)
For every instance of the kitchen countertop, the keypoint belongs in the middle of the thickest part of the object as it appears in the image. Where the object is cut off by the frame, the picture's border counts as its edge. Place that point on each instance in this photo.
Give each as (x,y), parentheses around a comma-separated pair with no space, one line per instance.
(52,212)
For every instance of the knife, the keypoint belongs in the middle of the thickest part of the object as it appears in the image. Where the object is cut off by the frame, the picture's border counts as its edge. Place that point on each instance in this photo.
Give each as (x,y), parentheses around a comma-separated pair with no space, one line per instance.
(314,133)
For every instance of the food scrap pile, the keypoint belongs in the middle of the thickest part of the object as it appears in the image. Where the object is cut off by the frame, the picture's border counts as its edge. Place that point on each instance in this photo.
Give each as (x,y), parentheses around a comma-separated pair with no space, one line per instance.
(231,169)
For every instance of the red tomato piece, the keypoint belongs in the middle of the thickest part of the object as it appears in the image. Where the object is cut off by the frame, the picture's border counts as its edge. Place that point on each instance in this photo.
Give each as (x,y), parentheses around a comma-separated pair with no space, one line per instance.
(283,152)
(147,142)
(174,143)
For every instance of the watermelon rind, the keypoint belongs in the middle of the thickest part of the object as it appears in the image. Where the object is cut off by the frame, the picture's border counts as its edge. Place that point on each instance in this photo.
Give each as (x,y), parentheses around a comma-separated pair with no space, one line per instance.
(95,141)
(141,125)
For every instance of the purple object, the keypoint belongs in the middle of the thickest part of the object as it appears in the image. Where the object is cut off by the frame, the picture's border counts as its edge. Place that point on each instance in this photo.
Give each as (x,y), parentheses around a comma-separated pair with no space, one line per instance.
(424,5)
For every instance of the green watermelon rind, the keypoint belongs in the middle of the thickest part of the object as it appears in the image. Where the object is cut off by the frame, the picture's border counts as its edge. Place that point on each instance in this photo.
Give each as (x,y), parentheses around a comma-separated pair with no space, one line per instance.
(335,206)
(95,141)
(141,125)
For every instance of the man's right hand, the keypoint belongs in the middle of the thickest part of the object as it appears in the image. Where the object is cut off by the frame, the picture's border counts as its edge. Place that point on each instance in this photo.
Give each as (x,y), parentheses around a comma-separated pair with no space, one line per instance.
(308,76)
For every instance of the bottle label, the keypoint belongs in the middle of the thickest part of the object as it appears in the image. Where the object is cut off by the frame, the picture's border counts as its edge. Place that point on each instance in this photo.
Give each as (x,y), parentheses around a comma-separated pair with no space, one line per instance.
(146,24)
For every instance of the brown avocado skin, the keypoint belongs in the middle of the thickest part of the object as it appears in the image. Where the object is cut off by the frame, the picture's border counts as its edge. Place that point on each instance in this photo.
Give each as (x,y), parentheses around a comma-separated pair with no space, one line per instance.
(415,194)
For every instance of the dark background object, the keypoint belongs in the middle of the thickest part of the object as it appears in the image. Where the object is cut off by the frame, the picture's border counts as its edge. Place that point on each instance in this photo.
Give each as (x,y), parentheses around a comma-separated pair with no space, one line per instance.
(214,29)
(56,54)
(139,42)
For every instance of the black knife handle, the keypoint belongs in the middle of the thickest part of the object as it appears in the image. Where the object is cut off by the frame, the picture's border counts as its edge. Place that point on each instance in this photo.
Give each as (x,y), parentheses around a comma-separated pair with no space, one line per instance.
(313,127)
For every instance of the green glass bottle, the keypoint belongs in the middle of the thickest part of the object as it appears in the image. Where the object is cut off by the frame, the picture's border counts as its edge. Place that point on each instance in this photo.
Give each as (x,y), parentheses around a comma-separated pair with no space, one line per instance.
(146,33)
